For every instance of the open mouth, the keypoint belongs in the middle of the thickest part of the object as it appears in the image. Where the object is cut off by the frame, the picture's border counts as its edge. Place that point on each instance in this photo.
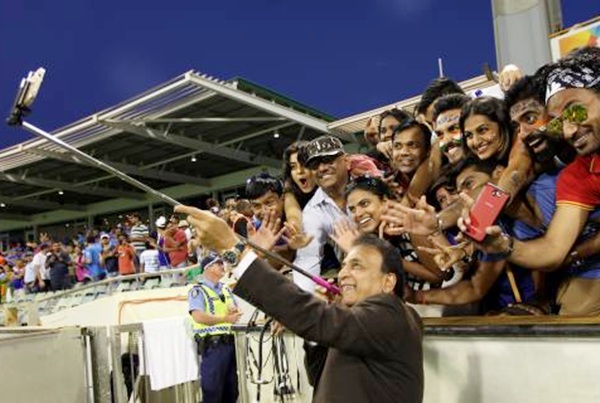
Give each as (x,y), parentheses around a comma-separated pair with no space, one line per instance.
(580,140)
(536,142)
(364,221)
(347,288)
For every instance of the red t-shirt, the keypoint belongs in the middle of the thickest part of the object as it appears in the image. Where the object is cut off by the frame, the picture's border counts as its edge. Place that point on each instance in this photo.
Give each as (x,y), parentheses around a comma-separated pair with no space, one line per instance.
(579,183)
(126,255)
(180,255)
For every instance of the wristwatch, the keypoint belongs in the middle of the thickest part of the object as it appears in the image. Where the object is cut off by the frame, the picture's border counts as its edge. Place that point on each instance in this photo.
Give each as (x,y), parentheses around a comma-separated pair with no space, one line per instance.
(232,256)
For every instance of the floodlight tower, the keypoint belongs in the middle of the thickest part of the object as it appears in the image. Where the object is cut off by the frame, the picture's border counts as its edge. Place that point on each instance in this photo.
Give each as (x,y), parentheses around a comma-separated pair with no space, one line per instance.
(522,29)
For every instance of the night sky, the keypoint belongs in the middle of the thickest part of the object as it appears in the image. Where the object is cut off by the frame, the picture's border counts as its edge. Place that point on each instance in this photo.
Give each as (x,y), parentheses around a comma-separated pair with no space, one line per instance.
(339,57)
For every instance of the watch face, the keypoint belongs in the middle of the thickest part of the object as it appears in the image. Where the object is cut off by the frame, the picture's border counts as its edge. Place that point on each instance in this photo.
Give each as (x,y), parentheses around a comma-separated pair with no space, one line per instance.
(230,256)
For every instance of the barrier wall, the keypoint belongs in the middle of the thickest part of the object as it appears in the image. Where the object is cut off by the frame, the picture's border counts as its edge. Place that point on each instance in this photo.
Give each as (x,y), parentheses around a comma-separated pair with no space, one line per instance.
(42,366)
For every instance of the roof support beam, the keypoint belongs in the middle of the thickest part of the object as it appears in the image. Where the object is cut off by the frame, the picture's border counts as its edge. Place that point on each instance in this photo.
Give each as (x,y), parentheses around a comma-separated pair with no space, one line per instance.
(41,204)
(15,217)
(71,187)
(211,120)
(194,144)
(141,171)
(259,103)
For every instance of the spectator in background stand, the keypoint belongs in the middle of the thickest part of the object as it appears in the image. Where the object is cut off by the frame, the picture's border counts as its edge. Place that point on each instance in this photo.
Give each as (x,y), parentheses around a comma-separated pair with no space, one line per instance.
(149,261)
(92,253)
(58,263)
(176,245)
(185,227)
(213,206)
(81,272)
(126,256)
(39,267)
(163,257)
(33,279)
(109,257)
(18,274)
(138,234)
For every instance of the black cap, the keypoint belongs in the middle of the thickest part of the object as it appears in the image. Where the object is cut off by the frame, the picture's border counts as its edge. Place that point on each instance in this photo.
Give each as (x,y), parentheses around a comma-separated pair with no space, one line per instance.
(323,146)
(210,259)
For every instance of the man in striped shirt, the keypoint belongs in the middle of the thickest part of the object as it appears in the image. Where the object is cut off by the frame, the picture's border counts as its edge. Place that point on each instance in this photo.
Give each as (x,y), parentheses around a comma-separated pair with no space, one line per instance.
(138,234)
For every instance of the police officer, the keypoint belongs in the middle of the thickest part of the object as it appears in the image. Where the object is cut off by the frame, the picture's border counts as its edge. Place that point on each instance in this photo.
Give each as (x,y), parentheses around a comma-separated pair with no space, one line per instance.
(213,310)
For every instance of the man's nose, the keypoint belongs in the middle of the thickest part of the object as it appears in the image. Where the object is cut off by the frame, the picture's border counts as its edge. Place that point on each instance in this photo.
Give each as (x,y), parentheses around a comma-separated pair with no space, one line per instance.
(569,130)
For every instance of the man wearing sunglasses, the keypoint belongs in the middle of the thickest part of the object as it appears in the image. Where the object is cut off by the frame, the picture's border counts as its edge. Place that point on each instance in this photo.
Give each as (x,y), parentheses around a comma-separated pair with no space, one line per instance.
(327,159)
(573,105)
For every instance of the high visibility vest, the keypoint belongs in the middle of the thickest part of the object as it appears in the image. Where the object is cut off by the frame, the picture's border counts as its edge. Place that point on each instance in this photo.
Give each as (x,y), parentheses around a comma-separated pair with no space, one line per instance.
(214,306)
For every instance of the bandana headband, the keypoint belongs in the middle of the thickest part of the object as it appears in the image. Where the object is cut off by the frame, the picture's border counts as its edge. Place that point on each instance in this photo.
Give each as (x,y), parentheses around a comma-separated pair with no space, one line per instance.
(563,78)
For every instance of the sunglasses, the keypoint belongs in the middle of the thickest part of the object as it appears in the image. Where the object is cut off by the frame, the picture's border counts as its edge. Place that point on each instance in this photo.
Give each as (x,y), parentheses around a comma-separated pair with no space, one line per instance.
(315,162)
(574,114)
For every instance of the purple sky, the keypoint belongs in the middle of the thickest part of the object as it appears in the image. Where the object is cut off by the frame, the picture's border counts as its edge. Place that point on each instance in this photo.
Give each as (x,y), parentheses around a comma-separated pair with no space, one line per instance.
(339,57)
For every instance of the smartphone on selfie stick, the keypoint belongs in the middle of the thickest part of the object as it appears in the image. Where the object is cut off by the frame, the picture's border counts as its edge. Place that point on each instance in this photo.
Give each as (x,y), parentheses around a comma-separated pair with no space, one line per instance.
(485,211)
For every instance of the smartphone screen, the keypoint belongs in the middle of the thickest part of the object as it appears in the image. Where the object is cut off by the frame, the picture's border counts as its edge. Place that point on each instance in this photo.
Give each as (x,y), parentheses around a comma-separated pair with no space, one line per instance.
(485,211)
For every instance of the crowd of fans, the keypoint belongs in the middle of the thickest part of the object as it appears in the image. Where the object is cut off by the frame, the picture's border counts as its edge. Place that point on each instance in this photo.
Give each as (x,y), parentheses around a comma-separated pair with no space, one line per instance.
(414,187)
(126,248)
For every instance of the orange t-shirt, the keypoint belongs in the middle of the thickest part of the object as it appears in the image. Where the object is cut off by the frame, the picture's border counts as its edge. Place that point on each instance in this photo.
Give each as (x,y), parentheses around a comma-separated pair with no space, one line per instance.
(126,254)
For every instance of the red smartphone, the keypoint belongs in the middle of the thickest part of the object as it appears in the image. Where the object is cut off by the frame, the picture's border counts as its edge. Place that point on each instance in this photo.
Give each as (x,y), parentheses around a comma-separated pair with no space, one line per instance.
(485,211)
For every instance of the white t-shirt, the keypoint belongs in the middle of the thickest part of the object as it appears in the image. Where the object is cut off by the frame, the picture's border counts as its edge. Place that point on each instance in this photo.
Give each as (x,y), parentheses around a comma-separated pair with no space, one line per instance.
(149,259)
(29,272)
(39,262)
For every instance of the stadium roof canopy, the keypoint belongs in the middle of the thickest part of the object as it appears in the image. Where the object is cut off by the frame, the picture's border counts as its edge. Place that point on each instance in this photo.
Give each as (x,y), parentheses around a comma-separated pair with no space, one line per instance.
(190,136)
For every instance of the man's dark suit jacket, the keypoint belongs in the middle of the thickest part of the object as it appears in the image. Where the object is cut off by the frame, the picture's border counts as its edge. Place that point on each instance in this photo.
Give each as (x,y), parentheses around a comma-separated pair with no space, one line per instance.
(375,350)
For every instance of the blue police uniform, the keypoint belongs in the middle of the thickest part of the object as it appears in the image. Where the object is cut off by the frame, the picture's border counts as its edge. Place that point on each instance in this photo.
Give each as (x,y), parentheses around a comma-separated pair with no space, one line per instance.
(218,369)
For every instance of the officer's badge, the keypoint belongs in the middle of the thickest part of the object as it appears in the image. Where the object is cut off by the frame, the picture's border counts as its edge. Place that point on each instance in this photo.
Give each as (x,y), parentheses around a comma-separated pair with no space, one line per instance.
(194,292)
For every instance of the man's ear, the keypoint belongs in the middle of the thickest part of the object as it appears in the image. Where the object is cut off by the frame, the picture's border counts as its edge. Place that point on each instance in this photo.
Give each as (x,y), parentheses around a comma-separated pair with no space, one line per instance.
(389,283)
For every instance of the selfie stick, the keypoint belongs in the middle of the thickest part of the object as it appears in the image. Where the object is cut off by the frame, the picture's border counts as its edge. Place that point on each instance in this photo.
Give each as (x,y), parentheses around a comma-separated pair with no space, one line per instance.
(24,100)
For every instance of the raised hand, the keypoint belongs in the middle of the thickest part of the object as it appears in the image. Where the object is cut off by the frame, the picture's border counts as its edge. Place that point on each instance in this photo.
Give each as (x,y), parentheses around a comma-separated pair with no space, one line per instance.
(445,256)
(294,238)
(421,220)
(344,235)
(269,232)
(509,76)
(211,231)
(495,241)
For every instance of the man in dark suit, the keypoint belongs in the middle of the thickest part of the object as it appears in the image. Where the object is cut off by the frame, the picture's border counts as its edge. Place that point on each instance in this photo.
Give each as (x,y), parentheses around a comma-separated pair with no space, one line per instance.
(374,339)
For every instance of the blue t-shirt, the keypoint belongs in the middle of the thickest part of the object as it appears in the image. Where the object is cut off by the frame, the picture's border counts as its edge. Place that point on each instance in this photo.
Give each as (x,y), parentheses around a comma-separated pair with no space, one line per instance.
(92,254)
(543,193)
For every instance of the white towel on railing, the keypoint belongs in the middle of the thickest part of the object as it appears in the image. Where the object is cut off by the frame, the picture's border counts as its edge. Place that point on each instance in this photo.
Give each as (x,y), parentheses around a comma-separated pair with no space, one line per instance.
(170,355)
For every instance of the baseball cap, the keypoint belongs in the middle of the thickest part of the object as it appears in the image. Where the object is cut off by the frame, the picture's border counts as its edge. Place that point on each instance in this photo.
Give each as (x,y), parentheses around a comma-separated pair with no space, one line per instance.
(104,236)
(324,146)
(210,259)
(161,222)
